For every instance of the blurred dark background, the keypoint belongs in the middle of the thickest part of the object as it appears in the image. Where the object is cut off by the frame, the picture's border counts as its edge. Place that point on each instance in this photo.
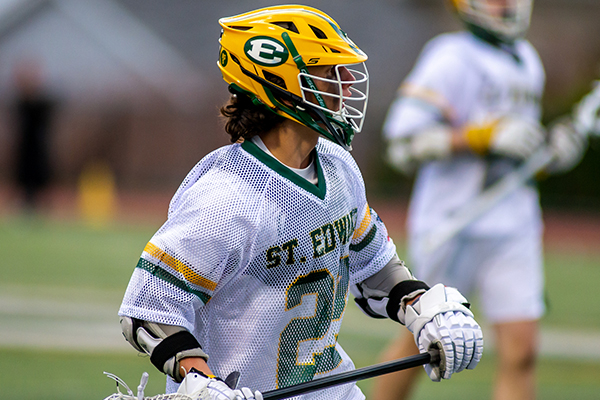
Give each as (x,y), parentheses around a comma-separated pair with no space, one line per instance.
(134,83)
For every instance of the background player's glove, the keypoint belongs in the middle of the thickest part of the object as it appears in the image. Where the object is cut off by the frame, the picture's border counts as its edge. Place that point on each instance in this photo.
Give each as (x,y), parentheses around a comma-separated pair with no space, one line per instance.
(587,113)
(432,143)
(440,319)
(196,382)
(514,137)
(567,144)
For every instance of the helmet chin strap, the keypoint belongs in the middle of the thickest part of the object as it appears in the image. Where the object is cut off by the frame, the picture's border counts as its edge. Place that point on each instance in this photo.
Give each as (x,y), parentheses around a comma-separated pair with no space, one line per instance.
(336,132)
(487,35)
(302,68)
(494,40)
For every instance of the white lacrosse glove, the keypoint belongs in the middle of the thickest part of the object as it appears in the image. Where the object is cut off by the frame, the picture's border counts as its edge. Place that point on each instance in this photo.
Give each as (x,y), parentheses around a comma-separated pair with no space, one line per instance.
(439,319)
(586,115)
(432,143)
(513,137)
(567,144)
(247,394)
(517,138)
(198,385)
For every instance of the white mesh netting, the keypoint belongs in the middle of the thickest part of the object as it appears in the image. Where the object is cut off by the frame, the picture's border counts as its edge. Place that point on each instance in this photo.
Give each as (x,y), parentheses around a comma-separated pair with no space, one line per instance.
(172,396)
(199,395)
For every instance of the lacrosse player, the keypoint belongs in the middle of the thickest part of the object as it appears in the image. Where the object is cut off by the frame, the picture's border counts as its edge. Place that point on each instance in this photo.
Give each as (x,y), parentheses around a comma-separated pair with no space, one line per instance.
(466,115)
(265,237)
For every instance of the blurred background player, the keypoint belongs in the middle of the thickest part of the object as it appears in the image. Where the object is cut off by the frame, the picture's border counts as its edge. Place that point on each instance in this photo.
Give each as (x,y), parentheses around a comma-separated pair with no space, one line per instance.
(467,114)
(265,237)
(33,111)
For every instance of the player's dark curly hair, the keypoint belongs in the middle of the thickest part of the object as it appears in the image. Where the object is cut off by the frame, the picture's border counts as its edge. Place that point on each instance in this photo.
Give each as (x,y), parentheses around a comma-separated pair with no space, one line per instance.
(246,119)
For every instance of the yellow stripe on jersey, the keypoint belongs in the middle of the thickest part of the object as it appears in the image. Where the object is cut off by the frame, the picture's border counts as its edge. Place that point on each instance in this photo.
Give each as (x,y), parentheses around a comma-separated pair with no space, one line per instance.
(431,97)
(180,267)
(364,224)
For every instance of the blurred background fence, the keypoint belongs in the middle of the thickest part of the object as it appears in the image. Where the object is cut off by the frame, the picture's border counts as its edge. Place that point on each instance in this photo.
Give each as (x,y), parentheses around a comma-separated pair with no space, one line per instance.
(134,83)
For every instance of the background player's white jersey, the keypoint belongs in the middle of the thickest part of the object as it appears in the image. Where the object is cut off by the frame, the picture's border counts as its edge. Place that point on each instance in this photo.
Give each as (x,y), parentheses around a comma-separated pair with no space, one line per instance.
(256,261)
(460,80)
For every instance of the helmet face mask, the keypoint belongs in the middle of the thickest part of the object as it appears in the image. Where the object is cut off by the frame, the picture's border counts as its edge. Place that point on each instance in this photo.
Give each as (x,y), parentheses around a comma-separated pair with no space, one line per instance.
(506,20)
(274,56)
(340,95)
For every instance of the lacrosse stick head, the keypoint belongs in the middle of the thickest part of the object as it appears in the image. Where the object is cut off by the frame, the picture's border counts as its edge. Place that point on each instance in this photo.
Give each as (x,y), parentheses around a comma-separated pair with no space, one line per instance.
(197,394)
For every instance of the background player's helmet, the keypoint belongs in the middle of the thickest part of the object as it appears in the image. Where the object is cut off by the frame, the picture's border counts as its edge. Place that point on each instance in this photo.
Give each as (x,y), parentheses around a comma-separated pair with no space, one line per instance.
(505,20)
(265,54)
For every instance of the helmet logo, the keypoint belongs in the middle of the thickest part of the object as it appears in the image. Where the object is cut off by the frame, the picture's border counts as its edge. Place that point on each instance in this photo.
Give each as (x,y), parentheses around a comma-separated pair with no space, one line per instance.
(266,51)
(223,59)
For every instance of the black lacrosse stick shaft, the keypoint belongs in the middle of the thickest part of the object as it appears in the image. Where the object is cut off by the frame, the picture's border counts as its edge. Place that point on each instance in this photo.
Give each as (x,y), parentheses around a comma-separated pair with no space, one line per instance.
(350,376)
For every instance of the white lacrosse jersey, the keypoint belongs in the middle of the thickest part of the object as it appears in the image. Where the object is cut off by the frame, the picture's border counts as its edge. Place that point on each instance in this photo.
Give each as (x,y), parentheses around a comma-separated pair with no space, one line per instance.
(460,79)
(256,261)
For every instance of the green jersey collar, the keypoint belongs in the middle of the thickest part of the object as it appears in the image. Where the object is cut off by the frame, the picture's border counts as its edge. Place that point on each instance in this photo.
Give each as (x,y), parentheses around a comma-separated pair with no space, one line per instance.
(318,190)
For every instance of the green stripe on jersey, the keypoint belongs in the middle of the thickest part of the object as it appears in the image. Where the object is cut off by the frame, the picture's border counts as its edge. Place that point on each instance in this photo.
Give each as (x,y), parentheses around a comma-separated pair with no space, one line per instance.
(161,273)
(365,242)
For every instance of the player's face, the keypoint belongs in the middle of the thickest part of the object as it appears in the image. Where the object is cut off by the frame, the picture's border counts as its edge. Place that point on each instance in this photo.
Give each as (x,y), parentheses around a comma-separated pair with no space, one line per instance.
(330,83)
(502,9)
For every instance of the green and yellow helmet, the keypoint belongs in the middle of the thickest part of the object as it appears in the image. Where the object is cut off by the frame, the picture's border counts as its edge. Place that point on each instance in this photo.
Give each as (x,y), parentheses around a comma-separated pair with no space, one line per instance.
(505,20)
(265,54)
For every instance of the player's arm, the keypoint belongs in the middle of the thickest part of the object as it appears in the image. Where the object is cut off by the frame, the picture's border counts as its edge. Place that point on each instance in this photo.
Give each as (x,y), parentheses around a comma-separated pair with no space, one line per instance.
(393,285)
(173,350)
(177,353)
(438,317)
(419,125)
(512,136)
(431,136)
(416,131)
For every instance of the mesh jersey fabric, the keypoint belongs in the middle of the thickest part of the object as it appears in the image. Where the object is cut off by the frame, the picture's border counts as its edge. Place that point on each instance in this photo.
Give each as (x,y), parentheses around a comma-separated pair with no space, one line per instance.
(460,79)
(256,262)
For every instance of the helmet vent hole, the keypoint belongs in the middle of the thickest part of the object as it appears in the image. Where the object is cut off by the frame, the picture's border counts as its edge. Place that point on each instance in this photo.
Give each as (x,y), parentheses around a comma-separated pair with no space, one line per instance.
(318,33)
(290,26)
(277,80)
(334,50)
(240,28)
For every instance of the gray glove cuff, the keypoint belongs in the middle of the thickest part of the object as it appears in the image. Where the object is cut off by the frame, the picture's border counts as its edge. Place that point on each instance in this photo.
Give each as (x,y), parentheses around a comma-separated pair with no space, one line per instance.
(400,294)
(172,368)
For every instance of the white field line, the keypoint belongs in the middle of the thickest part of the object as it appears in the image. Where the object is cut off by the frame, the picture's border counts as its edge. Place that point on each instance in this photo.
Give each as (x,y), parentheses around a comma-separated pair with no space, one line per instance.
(61,324)
(57,323)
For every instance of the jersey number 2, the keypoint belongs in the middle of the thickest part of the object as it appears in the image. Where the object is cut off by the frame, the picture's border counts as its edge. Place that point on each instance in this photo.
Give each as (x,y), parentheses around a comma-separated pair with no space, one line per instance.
(330,305)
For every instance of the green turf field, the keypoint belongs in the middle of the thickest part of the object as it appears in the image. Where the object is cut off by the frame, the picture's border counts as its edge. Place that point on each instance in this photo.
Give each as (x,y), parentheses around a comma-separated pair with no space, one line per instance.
(58,263)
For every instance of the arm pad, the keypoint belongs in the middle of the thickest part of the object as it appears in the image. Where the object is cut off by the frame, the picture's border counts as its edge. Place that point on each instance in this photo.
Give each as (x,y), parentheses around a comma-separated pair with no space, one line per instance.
(166,344)
(385,294)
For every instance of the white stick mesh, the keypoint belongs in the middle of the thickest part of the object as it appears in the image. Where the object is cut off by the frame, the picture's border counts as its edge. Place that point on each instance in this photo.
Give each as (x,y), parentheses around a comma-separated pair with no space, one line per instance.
(199,395)
(171,396)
